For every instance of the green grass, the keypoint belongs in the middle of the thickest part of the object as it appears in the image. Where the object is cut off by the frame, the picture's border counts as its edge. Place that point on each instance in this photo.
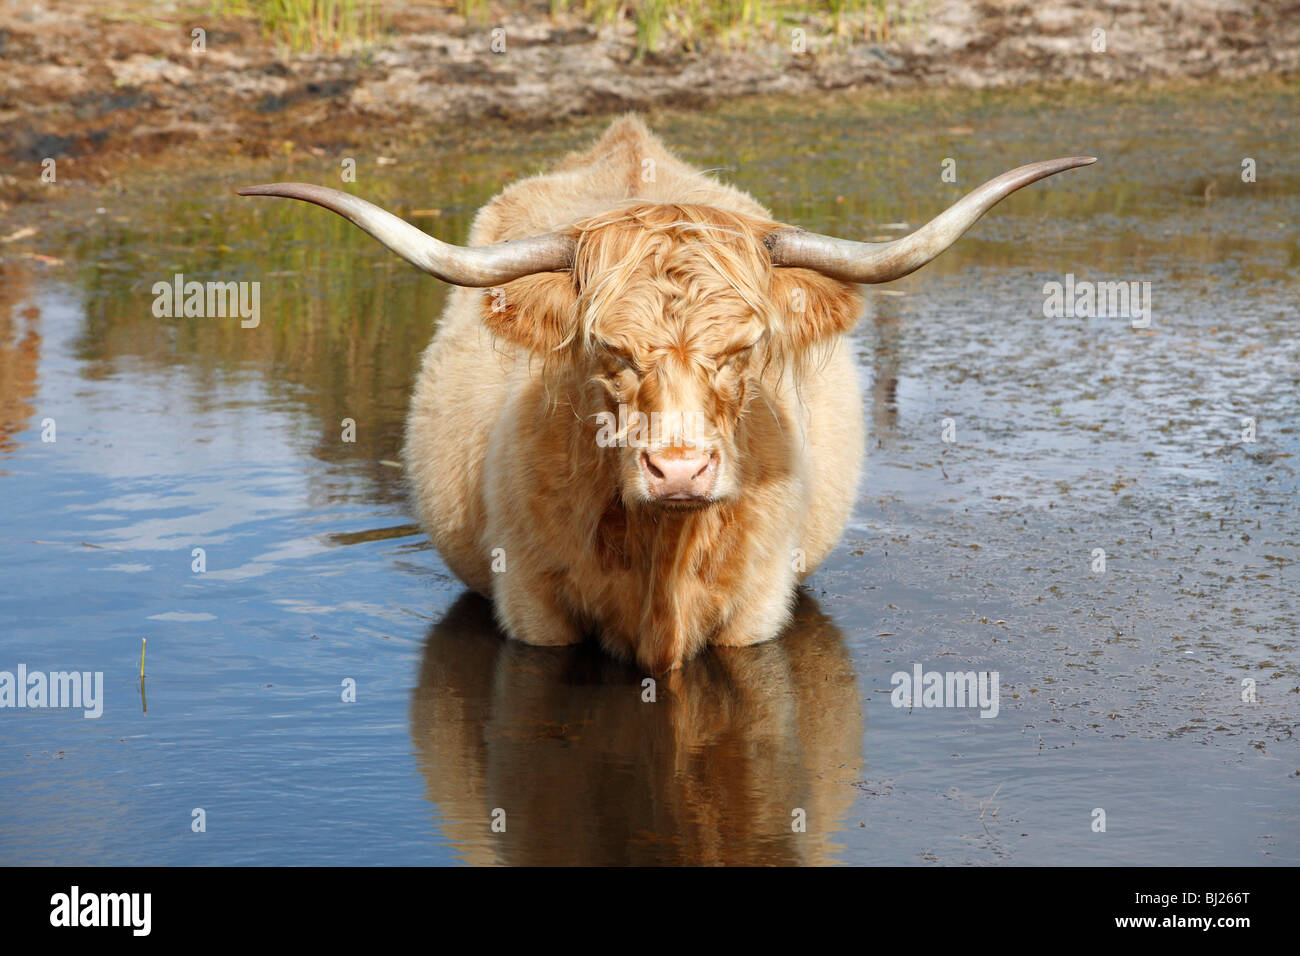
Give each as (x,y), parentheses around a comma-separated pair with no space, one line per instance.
(695,24)
(683,24)
(307,24)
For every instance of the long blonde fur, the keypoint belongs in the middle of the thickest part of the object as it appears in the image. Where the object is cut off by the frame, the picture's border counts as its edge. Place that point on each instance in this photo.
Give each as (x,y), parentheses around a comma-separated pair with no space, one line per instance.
(672,303)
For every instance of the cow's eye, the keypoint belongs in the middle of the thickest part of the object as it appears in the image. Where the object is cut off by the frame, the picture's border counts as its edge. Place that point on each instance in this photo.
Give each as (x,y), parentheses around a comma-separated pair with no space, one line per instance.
(736,355)
(622,361)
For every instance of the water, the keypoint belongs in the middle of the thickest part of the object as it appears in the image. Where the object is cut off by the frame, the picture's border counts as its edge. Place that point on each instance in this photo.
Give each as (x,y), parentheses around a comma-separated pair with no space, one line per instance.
(1120,691)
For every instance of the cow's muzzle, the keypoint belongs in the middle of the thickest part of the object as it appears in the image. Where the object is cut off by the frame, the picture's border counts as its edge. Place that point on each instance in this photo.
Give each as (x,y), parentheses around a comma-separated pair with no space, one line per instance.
(680,474)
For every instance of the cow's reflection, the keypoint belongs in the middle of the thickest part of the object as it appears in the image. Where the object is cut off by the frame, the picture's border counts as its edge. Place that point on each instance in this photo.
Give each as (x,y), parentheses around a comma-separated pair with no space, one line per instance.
(20,354)
(587,771)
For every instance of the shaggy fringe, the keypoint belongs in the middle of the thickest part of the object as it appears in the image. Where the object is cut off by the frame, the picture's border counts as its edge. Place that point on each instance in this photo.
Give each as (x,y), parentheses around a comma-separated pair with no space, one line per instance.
(633,260)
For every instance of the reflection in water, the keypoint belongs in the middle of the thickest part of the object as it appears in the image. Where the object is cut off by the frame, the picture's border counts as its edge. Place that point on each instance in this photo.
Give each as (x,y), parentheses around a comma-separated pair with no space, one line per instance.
(887,360)
(20,350)
(588,772)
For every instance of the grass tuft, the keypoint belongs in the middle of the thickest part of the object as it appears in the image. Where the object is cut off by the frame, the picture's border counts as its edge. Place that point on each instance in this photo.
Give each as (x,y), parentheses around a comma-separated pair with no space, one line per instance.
(306,25)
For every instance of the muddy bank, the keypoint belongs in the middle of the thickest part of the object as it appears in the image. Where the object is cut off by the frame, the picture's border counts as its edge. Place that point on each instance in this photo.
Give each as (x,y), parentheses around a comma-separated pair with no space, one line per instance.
(93,89)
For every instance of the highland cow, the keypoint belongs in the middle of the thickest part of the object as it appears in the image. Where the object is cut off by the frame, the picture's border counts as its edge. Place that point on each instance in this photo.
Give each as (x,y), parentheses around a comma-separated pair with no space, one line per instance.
(593,296)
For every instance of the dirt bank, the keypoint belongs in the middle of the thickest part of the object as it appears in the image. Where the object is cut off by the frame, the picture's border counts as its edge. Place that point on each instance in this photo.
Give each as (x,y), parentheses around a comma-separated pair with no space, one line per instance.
(93,89)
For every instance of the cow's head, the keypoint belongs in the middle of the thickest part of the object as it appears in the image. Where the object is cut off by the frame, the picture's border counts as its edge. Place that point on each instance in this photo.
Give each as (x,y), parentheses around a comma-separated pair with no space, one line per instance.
(659,333)
(662,316)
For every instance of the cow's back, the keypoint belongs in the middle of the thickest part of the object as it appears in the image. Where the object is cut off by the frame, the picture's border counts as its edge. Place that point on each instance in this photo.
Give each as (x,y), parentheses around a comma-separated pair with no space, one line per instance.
(628,163)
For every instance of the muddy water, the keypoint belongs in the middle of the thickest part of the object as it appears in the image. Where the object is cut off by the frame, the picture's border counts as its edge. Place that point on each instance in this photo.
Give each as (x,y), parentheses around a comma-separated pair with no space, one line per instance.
(1119,690)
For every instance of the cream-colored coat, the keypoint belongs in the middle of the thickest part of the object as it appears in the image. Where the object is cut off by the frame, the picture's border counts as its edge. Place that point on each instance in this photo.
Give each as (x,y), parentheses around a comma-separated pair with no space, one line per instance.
(526,508)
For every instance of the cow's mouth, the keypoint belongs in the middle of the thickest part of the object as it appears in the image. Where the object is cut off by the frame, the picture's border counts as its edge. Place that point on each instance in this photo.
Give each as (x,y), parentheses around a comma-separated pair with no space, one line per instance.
(683,502)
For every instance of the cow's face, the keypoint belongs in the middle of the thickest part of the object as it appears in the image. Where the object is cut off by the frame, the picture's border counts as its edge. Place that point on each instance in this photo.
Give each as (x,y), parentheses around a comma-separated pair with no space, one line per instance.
(670,326)
(668,398)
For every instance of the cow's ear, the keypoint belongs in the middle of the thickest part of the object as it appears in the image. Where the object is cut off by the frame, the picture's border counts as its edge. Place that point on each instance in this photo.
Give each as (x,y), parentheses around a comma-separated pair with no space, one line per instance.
(812,307)
(538,312)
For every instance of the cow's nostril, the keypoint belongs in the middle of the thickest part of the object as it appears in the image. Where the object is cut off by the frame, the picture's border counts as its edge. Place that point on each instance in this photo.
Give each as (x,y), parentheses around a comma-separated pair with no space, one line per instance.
(650,466)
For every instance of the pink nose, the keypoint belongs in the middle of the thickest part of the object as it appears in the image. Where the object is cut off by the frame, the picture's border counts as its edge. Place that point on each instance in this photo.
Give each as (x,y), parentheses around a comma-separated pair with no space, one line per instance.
(679,473)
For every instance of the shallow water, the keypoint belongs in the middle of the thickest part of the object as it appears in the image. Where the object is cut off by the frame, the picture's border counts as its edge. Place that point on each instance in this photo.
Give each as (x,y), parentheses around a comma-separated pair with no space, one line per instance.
(1120,690)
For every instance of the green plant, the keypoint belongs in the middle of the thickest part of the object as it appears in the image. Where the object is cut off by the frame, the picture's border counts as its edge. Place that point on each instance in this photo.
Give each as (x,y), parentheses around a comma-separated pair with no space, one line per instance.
(307,24)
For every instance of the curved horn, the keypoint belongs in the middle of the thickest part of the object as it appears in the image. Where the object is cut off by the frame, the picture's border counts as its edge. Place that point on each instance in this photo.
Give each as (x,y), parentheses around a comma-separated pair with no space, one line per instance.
(478,266)
(884,261)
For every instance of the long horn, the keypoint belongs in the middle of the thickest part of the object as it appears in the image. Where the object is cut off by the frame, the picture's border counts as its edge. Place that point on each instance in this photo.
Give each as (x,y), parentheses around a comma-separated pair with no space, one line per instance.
(478,266)
(883,261)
